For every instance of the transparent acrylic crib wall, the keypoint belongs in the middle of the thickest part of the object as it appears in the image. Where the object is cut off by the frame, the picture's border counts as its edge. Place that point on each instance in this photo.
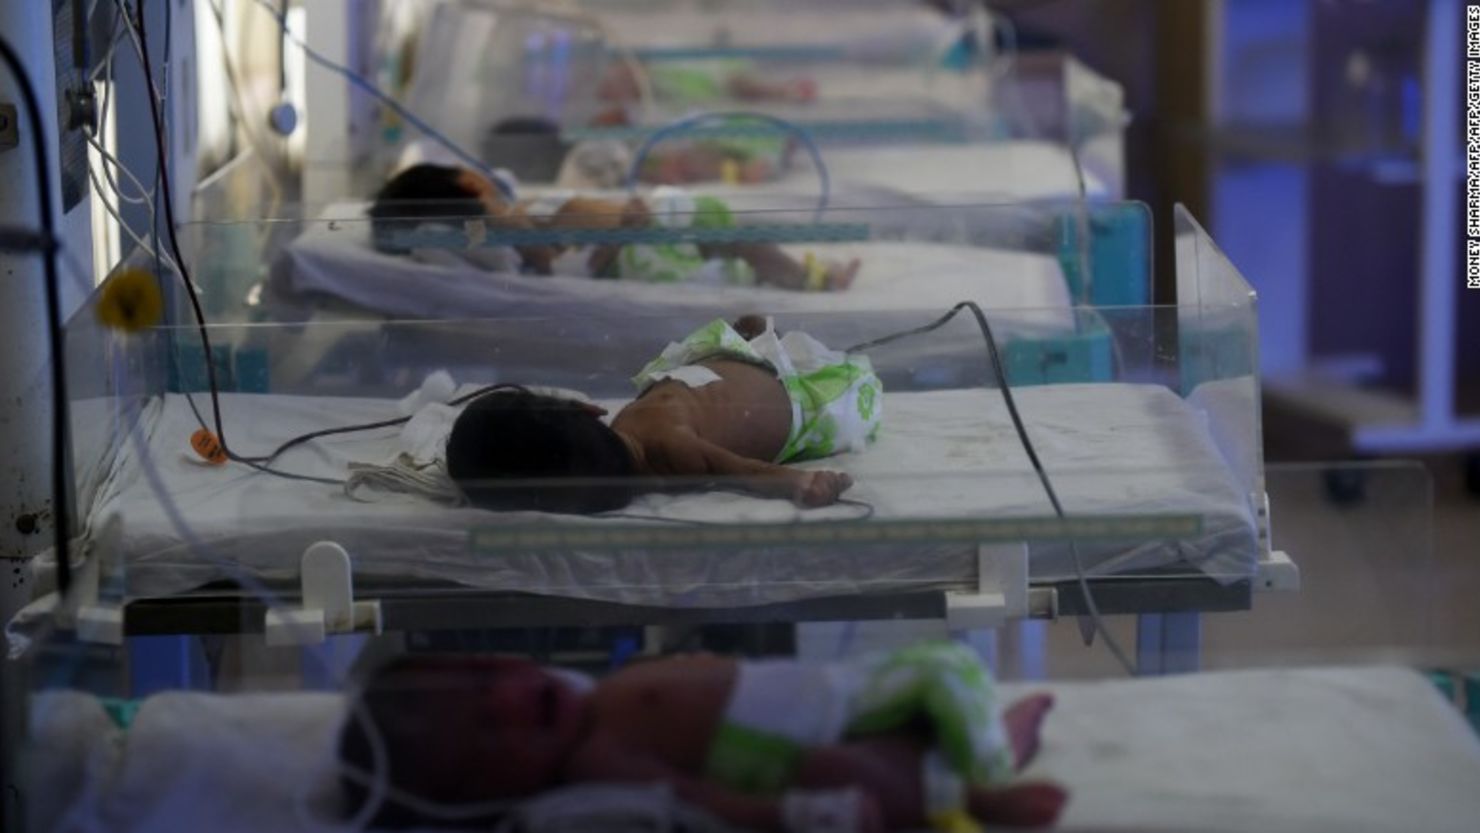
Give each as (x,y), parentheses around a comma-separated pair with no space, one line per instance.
(1031,255)
(284,379)
(868,96)
(1037,102)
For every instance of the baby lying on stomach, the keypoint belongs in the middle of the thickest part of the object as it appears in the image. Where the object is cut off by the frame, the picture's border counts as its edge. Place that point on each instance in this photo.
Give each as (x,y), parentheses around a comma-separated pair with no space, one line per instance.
(726,406)
(888,742)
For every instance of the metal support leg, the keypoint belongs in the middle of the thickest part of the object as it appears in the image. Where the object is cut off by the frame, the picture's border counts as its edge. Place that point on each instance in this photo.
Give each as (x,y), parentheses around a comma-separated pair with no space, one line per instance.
(1032,648)
(1168,643)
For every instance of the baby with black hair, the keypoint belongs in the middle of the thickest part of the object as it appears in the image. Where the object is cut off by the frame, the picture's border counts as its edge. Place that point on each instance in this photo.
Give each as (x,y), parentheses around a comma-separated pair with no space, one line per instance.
(428,193)
(727,406)
(892,741)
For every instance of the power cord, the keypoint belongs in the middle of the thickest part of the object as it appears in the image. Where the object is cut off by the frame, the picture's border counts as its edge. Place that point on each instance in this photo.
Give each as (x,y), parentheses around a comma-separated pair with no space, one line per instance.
(375,92)
(61,412)
(999,371)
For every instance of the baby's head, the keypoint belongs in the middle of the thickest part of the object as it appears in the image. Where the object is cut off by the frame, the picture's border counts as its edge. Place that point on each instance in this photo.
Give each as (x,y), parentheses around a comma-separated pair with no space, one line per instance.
(514,449)
(430,192)
(459,730)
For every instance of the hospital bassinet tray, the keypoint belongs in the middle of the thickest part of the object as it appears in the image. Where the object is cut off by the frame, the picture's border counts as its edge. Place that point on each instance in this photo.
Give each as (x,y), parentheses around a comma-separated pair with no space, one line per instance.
(551,69)
(1155,457)
(1048,269)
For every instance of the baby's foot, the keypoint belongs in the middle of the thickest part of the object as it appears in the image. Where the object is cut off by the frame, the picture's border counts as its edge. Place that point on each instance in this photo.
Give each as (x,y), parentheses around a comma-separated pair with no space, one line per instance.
(840,275)
(1021,805)
(1023,720)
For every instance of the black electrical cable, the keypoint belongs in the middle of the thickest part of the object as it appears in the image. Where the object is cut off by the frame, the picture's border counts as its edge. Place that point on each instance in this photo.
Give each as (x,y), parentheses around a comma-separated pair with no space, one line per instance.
(169,211)
(60,499)
(1017,423)
(370,426)
(997,370)
(199,313)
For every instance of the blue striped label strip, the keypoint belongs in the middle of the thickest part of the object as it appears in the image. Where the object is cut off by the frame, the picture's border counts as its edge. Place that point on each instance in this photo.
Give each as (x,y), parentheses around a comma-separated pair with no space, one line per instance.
(504,540)
(485,235)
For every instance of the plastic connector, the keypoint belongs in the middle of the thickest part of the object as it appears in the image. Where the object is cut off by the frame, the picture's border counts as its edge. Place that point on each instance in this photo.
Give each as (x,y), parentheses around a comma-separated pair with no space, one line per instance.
(328,606)
(1001,593)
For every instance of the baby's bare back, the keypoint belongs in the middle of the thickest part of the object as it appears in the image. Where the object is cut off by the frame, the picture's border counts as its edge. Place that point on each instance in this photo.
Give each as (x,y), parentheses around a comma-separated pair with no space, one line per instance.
(746,412)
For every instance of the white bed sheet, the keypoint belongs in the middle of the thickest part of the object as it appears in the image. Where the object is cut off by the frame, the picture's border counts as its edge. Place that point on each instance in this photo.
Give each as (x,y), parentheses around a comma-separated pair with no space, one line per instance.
(1110,448)
(1368,750)
(1029,290)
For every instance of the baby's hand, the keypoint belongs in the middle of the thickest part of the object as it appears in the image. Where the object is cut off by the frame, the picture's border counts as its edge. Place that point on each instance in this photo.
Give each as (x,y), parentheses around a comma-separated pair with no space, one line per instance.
(820,488)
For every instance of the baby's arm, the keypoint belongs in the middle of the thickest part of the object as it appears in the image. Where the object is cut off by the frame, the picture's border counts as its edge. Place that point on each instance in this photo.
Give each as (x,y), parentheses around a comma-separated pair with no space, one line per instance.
(774,266)
(682,452)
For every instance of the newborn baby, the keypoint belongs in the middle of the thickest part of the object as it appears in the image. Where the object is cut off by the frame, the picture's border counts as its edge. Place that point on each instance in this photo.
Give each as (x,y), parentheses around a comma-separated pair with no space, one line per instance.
(729,402)
(889,742)
(433,193)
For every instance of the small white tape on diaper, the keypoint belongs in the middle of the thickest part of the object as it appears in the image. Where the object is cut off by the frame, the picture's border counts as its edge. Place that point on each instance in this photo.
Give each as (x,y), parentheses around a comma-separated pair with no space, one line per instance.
(693,375)
(672,207)
(831,811)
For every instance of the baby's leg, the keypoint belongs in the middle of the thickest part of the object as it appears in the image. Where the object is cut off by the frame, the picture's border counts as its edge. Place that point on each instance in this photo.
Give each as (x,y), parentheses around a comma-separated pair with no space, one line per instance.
(885,767)
(1018,805)
(888,768)
(1023,720)
(750,88)
(775,267)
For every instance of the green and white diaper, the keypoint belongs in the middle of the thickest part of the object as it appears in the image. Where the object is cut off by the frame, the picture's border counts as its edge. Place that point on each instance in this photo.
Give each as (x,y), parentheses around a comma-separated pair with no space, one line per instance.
(781,708)
(837,400)
(675,208)
(947,685)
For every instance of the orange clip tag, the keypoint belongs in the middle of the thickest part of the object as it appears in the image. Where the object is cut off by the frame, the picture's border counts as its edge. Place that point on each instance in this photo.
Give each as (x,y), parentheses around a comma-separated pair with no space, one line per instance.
(208,447)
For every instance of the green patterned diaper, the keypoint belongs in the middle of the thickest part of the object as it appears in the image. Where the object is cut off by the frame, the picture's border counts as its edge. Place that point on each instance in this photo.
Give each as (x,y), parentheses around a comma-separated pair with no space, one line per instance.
(836,399)
(683,262)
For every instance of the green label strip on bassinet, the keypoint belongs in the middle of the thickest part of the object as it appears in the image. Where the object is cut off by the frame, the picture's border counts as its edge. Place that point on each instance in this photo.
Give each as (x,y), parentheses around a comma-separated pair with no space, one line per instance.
(477,234)
(944,129)
(525,539)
